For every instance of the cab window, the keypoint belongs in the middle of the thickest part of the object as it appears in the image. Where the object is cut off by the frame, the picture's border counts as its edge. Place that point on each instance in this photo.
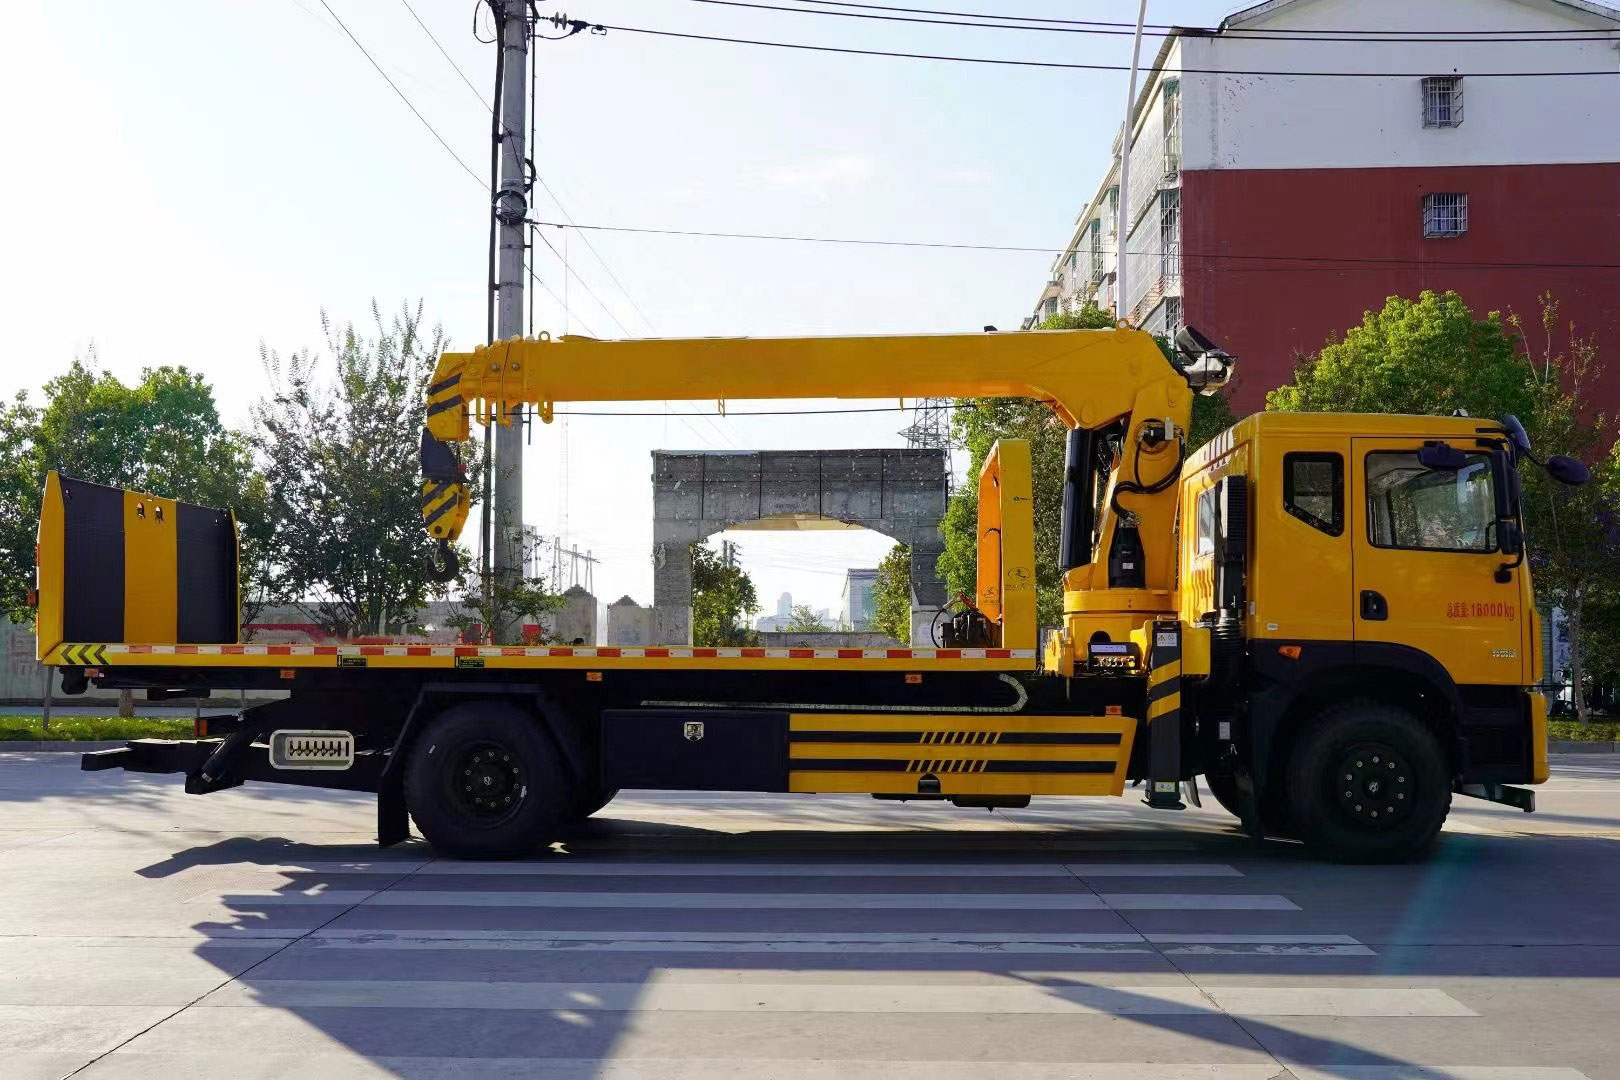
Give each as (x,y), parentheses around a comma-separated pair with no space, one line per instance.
(1412,506)
(1204,538)
(1313,490)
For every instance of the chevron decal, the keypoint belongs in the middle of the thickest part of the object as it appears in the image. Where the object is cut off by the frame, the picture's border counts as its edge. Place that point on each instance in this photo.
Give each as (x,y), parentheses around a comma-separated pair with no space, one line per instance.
(84,655)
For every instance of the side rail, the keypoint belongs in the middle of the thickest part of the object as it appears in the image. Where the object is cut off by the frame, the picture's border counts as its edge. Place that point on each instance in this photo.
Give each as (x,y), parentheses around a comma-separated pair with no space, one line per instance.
(116,566)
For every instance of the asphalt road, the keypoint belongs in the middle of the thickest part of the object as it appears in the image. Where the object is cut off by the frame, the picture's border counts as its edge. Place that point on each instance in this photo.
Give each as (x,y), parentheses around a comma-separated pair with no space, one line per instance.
(256,933)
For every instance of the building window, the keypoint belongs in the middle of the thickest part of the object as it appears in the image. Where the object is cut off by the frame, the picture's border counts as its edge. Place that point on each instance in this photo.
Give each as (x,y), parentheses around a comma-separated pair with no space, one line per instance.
(1172,128)
(1051,307)
(1442,101)
(1445,214)
(1172,316)
(1169,233)
(1313,490)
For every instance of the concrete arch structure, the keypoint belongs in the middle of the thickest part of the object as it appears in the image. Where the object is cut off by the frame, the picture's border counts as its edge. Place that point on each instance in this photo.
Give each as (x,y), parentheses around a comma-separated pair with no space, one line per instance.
(899,493)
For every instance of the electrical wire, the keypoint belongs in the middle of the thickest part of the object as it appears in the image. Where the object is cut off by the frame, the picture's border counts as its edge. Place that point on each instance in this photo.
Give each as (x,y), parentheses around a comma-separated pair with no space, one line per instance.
(1337,262)
(1127,30)
(801,46)
(468,169)
(1168,26)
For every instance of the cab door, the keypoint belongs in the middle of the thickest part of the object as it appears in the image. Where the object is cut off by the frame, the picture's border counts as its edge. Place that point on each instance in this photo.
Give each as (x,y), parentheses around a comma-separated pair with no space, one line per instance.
(1426,560)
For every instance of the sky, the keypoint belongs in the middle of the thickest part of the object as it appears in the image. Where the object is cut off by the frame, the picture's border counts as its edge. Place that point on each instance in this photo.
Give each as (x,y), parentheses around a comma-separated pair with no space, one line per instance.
(191,181)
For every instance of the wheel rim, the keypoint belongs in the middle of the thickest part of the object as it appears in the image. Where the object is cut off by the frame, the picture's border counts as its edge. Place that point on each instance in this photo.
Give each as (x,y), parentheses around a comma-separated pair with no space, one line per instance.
(486,783)
(1373,785)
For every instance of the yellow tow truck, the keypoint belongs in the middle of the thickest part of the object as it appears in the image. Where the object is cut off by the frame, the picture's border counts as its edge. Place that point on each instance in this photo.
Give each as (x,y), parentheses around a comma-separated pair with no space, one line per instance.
(1329,617)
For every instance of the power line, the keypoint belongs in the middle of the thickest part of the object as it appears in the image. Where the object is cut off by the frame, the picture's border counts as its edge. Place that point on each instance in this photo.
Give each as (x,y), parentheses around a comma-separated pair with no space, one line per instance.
(1098,28)
(1168,26)
(800,46)
(1048,250)
(504,133)
(395,88)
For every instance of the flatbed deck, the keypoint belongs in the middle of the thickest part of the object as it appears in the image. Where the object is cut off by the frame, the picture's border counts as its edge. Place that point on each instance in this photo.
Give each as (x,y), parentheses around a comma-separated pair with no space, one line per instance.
(537,657)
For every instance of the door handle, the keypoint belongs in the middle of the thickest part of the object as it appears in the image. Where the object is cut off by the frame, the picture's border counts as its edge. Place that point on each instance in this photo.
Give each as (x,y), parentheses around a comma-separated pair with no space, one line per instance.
(1373,605)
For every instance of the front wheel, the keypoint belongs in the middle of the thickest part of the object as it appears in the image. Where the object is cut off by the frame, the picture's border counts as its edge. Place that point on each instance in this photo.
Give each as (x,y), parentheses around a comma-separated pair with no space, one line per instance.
(485,782)
(1368,783)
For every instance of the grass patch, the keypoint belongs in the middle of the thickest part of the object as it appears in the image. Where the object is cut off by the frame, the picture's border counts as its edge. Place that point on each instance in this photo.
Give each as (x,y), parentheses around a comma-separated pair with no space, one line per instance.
(94,728)
(1594,731)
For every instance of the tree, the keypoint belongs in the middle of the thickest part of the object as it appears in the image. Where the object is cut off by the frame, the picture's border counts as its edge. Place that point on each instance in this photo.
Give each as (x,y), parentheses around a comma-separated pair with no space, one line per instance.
(804,620)
(892,594)
(488,600)
(1572,531)
(1428,356)
(161,435)
(977,423)
(339,437)
(722,595)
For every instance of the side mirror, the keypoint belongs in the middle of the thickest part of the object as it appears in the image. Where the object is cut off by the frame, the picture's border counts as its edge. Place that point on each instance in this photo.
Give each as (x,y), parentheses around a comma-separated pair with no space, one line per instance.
(1516,432)
(1510,541)
(1439,455)
(1568,470)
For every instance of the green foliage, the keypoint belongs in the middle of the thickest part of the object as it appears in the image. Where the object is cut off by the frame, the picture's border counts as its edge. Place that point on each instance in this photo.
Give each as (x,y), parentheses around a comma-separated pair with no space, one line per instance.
(1428,356)
(722,596)
(977,423)
(93,728)
(489,601)
(1575,554)
(892,595)
(802,619)
(339,437)
(161,435)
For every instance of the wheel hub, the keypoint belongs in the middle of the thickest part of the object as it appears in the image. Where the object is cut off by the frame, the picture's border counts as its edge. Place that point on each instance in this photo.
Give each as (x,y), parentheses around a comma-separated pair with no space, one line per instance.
(1373,785)
(486,781)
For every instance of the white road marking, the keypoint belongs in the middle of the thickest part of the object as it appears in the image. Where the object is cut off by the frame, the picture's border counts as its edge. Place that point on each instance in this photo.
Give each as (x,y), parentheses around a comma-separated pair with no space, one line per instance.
(734,868)
(1434,1072)
(933,901)
(674,995)
(1198,902)
(142,1065)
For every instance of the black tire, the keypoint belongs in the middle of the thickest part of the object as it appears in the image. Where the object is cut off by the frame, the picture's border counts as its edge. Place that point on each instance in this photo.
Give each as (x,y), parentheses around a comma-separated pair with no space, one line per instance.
(1367,783)
(1223,785)
(484,781)
(592,798)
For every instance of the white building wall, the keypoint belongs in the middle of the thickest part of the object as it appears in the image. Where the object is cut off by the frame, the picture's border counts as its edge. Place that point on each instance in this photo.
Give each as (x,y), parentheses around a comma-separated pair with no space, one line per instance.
(1282,122)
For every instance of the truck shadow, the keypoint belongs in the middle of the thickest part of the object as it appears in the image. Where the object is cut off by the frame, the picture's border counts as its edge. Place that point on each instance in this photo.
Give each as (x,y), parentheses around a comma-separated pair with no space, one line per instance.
(609,949)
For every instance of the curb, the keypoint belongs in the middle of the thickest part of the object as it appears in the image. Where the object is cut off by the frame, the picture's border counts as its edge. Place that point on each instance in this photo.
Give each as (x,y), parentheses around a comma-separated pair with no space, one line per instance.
(1582,746)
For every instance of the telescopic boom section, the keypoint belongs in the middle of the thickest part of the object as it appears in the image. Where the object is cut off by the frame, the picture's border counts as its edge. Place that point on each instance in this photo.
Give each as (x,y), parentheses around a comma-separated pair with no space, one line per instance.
(1092,379)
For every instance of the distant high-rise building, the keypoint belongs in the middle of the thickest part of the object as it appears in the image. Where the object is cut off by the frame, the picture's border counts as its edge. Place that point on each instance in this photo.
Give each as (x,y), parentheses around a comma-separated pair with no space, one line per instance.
(860,600)
(784,605)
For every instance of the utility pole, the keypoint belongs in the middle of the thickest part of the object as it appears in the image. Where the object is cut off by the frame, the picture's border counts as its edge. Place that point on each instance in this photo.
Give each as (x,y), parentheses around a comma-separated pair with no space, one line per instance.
(1121,245)
(511,208)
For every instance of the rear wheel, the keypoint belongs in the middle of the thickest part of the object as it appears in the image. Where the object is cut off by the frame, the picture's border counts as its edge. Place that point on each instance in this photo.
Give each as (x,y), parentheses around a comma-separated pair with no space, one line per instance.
(591,798)
(1368,783)
(1224,786)
(484,781)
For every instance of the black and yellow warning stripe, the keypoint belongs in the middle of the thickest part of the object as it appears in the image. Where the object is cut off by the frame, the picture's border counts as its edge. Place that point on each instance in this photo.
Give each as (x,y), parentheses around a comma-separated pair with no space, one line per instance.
(980,754)
(444,395)
(118,566)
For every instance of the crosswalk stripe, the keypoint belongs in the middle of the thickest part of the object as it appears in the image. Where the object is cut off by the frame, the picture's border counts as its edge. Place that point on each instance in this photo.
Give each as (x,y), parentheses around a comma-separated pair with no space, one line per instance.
(934,901)
(679,995)
(789,941)
(594,868)
(1433,1072)
(144,1065)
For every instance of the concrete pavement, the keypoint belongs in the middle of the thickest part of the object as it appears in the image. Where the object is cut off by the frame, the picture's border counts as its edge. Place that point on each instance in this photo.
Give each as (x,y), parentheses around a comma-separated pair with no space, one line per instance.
(257,933)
